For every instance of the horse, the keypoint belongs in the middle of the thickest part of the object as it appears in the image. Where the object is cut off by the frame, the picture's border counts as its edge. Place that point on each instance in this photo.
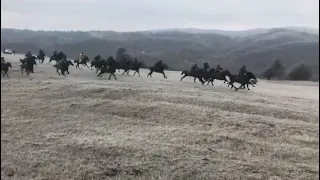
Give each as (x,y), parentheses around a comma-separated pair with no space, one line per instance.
(58,57)
(198,73)
(40,57)
(242,80)
(135,66)
(158,68)
(209,76)
(246,80)
(110,66)
(125,66)
(5,68)
(27,64)
(218,75)
(84,61)
(63,66)
(98,64)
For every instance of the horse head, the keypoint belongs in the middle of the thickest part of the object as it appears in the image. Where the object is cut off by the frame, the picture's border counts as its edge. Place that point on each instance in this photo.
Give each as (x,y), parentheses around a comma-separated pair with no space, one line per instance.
(70,63)
(251,77)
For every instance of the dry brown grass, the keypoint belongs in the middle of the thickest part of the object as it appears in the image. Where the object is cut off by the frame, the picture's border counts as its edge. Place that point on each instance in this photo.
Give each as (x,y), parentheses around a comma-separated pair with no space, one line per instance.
(81,127)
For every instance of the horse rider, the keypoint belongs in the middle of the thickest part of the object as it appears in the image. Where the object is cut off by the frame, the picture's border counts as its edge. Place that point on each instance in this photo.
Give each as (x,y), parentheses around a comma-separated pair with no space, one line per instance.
(98,57)
(2,60)
(41,53)
(159,63)
(205,65)
(194,67)
(218,68)
(81,57)
(242,70)
(28,54)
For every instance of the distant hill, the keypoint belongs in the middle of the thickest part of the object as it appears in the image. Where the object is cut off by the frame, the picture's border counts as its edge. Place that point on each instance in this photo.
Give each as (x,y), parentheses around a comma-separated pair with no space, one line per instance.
(180,48)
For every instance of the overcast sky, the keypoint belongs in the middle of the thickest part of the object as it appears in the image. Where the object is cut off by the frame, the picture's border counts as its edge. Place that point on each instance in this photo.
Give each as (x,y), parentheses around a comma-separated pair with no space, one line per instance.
(132,15)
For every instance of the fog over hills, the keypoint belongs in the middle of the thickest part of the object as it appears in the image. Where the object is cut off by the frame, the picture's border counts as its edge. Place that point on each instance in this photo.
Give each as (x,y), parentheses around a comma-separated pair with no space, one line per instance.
(180,48)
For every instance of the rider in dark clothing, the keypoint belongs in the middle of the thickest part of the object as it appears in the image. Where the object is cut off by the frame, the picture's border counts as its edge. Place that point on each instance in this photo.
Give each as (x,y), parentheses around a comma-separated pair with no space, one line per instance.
(30,61)
(41,53)
(243,70)
(194,67)
(98,57)
(111,60)
(159,63)
(28,54)
(218,68)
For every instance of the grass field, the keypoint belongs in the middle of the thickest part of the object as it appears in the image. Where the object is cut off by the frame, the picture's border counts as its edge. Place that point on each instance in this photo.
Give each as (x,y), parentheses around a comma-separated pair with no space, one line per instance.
(84,127)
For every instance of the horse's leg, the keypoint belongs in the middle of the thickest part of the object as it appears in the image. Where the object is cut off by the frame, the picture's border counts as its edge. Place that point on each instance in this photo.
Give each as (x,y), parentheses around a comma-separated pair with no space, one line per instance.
(114,76)
(100,74)
(201,80)
(248,86)
(164,75)
(88,66)
(128,72)
(194,80)
(150,74)
(123,72)
(58,71)
(137,71)
(183,77)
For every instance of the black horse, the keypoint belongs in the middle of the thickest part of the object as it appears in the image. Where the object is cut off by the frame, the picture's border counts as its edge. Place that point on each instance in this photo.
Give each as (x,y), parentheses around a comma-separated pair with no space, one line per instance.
(216,74)
(27,64)
(133,65)
(158,67)
(5,68)
(110,66)
(247,79)
(84,61)
(57,56)
(197,73)
(41,56)
(98,64)
(63,66)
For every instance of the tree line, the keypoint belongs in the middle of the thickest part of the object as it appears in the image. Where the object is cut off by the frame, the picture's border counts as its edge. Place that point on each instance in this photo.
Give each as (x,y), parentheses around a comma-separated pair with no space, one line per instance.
(278,71)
